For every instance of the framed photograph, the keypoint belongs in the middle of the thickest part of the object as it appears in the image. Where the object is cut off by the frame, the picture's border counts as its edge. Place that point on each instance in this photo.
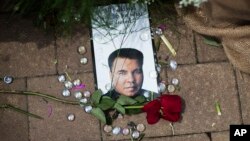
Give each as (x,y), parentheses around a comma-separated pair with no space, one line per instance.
(122,47)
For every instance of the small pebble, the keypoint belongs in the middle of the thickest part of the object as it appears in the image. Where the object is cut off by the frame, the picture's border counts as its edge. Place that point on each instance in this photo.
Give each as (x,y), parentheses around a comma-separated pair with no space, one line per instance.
(146,94)
(61,78)
(87,94)
(68,84)
(107,128)
(88,109)
(66,93)
(125,131)
(158,68)
(161,87)
(116,130)
(78,95)
(158,31)
(71,117)
(84,100)
(171,88)
(8,79)
(175,81)
(135,134)
(173,64)
(84,60)
(77,82)
(140,127)
(82,50)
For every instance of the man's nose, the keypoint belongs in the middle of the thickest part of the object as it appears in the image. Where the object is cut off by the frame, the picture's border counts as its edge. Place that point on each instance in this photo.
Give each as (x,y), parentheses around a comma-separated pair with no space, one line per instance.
(131,77)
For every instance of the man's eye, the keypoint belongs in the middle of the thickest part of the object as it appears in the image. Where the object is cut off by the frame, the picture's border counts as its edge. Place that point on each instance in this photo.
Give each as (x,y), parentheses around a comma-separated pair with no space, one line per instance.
(138,71)
(122,73)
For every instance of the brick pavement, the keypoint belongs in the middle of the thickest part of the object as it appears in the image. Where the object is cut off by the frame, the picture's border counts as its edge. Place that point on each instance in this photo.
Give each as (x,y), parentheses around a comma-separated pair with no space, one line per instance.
(29,55)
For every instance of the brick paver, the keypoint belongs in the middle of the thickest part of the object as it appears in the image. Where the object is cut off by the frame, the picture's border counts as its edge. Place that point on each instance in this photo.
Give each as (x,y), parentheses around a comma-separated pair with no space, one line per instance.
(194,137)
(55,126)
(201,86)
(162,128)
(68,57)
(244,92)
(181,42)
(25,50)
(220,136)
(10,119)
(208,53)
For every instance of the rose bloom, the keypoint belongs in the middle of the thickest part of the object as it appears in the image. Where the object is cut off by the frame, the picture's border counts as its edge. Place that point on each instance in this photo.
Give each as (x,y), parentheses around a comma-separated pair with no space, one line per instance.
(167,106)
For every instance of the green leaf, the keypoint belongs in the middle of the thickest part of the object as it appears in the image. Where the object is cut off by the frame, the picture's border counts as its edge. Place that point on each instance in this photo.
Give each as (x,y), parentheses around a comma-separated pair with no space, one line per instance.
(119,108)
(96,97)
(211,41)
(125,100)
(140,99)
(98,113)
(106,103)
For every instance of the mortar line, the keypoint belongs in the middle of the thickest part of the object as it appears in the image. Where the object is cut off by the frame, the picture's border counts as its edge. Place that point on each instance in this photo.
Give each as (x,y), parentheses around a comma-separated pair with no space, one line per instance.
(185,134)
(100,128)
(27,105)
(48,75)
(55,49)
(195,48)
(238,95)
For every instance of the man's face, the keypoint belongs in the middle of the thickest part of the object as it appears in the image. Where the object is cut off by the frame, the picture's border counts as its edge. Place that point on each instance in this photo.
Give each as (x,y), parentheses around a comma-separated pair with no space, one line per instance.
(127,76)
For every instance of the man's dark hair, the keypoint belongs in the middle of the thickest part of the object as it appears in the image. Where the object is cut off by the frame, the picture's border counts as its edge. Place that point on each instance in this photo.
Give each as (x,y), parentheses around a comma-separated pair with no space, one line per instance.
(129,53)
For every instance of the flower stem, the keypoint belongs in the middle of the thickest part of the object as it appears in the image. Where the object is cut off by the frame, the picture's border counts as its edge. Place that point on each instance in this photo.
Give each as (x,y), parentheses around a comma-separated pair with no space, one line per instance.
(40,95)
(217,106)
(8,106)
(133,107)
(152,96)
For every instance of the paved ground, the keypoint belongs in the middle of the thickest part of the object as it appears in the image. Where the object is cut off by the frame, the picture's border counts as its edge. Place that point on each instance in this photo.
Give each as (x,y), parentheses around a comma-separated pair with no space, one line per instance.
(29,55)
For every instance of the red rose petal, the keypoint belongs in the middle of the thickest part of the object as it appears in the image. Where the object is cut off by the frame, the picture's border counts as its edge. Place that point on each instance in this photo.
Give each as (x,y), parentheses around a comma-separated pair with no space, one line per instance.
(153,111)
(171,103)
(173,117)
(153,117)
(154,105)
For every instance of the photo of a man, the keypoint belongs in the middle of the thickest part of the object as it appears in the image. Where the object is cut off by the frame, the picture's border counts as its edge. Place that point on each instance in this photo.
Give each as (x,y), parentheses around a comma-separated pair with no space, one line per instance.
(124,59)
(126,72)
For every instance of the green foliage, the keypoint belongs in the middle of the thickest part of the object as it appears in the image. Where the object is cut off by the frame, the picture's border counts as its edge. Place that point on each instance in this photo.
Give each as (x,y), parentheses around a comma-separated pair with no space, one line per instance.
(212,41)
(96,97)
(62,15)
(59,14)
(106,103)
(119,108)
(102,105)
(98,113)
(140,99)
(125,100)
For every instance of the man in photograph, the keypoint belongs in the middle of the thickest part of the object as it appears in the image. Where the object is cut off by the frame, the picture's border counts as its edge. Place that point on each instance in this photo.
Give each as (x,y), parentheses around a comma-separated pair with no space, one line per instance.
(126,73)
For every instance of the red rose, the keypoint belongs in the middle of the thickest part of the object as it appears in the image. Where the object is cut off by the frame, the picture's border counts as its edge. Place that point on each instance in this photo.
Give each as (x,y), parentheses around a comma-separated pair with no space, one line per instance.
(169,105)
(153,111)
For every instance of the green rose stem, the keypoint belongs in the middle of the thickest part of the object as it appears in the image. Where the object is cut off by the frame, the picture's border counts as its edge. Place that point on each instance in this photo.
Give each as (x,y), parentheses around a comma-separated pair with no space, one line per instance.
(40,95)
(133,107)
(33,94)
(19,110)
